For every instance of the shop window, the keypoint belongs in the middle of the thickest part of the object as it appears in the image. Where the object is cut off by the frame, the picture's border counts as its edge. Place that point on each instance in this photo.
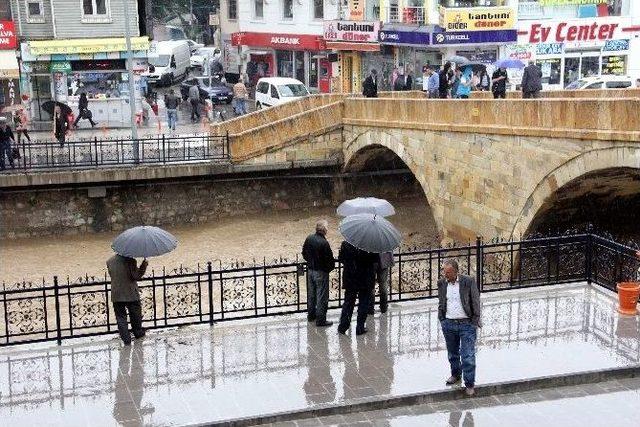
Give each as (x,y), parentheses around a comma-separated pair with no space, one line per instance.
(318,9)
(232,10)
(287,9)
(96,11)
(614,65)
(258,8)
(97,85)
(471,3)
(550,70)
(284,60)
(35,11)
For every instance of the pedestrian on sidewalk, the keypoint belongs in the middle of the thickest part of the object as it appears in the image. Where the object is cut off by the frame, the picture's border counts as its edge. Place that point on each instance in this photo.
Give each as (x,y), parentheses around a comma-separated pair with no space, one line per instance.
(83,111)
(531,81)
(125,294)
(316,251)
(383,274)
(370,85)
(443,81)
(6,138)
(59,125)
(146,111)
(459,315)
(194,100)
(171,102)
(358,281)
(433,84)
(240,96)
(464,85)
(21,120)
(499,81)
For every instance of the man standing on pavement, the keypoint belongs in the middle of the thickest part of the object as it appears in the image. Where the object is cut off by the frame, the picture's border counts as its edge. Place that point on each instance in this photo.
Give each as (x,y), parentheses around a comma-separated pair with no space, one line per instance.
(531,81)
(316,251)
(433,84)
(171,102)
(370,85)
(125,294)
(383,274)
(194,100)
(6,138)
(499,81)
(459,315)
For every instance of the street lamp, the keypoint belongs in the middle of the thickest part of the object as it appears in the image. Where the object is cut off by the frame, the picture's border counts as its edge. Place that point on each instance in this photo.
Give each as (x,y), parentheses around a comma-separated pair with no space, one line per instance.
(132,97)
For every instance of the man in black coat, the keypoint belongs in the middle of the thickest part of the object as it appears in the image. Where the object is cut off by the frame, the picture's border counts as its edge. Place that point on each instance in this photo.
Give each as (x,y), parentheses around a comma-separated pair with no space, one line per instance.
(370,85)
(531,81)
(499,81)
(358,280)
(317,252)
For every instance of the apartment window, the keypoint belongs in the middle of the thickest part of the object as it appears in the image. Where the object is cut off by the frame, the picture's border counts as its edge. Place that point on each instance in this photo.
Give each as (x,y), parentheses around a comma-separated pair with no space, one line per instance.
(232,11)
(287,9)
(35,11)
(258,6)
(96,11)
(318,9)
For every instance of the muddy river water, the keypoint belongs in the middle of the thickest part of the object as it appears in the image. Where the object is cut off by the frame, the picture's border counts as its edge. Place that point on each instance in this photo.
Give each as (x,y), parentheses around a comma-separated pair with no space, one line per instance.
(270,235)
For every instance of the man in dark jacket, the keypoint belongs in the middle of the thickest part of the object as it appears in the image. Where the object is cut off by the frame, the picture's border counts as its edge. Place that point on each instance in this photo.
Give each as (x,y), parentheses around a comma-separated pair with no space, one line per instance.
(316,251)
(370,85)
(531,81)
(358,280)
(125,294)
(459,315)
(499,81)
(6,139)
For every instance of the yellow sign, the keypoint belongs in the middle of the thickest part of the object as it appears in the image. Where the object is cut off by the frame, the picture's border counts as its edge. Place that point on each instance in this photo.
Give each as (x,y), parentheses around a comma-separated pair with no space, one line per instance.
(477,18)
(84,46)
(356,10)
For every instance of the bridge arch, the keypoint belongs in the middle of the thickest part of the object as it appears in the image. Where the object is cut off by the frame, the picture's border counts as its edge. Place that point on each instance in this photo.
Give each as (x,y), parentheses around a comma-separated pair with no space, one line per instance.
(592,177)
(381,152)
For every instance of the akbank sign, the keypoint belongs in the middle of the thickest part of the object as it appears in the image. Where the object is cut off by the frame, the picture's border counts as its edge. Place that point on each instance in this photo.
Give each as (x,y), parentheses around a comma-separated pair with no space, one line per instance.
(404,37)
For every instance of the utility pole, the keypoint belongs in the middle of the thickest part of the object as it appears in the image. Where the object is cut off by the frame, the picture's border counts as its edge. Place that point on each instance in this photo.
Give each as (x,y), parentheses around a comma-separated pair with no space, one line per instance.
(132,96)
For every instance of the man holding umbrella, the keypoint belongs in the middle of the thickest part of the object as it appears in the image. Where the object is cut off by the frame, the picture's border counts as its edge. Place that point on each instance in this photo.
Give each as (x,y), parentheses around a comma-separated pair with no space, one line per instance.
(137,242)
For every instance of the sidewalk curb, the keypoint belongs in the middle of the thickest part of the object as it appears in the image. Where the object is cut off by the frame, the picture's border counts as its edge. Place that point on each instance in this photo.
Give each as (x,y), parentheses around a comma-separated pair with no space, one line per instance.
(486,390)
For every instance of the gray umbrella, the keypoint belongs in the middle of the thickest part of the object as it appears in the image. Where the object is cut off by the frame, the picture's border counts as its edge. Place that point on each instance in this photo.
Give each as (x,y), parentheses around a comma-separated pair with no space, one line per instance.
(143,242)
(459,60)
(371,233)
(370,205)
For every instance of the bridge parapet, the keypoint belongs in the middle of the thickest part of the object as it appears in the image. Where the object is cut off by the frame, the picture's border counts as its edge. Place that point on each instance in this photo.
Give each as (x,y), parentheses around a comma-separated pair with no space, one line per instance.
(585,93)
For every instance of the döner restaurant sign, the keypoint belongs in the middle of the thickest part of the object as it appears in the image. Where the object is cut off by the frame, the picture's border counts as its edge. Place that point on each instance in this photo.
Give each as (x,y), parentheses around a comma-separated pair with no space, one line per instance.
(351,31)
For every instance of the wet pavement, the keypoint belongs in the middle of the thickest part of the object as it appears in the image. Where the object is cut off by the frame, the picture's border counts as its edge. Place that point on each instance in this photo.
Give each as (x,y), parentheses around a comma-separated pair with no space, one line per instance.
(256,367)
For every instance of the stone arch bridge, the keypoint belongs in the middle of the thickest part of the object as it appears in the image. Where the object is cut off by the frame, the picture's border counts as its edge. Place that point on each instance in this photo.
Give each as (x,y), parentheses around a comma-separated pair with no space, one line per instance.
(486,167)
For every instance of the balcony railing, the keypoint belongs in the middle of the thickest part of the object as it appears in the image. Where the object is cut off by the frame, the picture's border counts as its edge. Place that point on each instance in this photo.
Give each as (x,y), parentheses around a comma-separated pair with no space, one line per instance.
(415,15)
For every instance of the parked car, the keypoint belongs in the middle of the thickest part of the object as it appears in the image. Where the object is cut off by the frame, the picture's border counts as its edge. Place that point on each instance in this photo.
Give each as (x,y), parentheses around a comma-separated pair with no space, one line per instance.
(193,45)
(199,56)
(168,61)
(272,91)
(601,82)
(210,88)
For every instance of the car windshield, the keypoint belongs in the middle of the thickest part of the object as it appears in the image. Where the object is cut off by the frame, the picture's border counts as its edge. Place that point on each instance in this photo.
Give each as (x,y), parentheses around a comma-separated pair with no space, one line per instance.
(292,90)
(210,82)
(576,84)
(160,60)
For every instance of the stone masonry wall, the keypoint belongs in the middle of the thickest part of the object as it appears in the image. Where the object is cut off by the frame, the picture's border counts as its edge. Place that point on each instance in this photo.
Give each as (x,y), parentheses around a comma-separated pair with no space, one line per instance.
(72,211)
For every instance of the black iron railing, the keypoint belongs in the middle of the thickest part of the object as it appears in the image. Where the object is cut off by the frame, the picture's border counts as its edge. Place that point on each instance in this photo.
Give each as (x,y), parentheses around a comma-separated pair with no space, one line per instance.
(47,311)
(97,152)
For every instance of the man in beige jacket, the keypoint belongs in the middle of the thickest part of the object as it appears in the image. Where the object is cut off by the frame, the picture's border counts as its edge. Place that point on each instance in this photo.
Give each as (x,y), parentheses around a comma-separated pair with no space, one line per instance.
(240,96)
(125,294)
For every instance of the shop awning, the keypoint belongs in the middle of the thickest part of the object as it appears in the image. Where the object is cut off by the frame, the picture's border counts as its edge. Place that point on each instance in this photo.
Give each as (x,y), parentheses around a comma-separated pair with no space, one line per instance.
(8,65)
(361,47)
(53,47)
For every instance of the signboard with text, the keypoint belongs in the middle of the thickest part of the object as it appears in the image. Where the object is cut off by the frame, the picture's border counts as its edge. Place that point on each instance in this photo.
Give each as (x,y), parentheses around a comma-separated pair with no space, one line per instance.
(352,31)
(278,41)
(523,52)
(477,18)
(356,10)
(575,33)
(404,37)
(473,37)
(8,38)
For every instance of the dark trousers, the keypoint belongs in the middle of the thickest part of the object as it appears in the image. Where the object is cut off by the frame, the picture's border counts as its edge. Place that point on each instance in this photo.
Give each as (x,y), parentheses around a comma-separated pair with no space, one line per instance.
(382,277)
(21,132)
(531,95)
(135,315)
(317,295)
(501,95)
(5,150)
(194,109)
(349,303)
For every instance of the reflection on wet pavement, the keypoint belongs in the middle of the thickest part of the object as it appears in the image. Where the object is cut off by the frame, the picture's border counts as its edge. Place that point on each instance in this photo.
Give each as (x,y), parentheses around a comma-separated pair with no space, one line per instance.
(254,367)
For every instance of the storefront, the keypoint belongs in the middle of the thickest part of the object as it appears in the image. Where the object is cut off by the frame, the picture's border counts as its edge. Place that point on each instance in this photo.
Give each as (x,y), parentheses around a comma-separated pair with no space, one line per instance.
(300,56)
(407,48)
(60,70)
(569,50)
(352,40)
(9,73)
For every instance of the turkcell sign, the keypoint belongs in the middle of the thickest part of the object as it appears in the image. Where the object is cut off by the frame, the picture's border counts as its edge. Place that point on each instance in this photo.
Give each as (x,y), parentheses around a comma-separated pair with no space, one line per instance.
(404,37)
(474,37)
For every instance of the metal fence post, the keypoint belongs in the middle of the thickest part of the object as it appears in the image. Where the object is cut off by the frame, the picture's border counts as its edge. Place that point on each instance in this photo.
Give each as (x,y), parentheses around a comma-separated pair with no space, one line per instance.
(479,263)
(210,290)
(164,150)
(95,146)
(228,146)
(56,292)
(589,257)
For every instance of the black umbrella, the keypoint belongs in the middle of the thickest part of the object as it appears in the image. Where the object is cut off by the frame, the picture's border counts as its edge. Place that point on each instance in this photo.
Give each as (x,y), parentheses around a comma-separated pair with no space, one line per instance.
(49,106)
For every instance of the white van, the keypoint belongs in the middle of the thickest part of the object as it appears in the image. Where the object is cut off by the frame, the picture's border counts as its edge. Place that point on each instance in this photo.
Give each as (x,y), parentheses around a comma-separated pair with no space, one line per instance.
(272,91)
(168,61)
(601,82)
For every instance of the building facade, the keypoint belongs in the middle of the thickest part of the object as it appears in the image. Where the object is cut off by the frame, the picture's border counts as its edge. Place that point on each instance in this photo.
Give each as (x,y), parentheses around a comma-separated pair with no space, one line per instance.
(66,50)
